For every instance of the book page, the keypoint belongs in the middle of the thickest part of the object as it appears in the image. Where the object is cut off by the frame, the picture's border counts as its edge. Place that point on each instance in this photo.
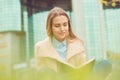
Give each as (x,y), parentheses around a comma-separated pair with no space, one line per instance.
(85,67)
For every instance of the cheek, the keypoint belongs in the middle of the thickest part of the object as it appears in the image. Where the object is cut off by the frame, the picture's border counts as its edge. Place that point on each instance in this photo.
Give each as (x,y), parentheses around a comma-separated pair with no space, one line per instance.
(67,29)
(55,30)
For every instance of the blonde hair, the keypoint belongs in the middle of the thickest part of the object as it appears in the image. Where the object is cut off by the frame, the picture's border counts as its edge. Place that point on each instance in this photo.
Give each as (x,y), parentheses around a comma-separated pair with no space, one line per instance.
(57,11)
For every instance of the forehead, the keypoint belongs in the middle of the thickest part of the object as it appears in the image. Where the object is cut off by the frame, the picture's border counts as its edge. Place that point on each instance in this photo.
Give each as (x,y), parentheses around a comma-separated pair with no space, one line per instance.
(60,19)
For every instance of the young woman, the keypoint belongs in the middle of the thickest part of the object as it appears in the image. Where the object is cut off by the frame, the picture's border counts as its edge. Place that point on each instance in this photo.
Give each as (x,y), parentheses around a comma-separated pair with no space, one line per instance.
(61,45)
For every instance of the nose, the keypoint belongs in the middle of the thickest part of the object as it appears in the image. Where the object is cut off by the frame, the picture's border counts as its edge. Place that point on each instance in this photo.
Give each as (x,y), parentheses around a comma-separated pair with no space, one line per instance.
(62,28)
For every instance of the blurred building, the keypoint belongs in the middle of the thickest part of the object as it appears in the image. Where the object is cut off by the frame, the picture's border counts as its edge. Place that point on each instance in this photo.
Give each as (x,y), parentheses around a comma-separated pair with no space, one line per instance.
(22,24)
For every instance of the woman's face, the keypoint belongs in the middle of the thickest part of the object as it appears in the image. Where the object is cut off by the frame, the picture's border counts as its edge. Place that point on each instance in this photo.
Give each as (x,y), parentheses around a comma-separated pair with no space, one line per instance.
(60,27)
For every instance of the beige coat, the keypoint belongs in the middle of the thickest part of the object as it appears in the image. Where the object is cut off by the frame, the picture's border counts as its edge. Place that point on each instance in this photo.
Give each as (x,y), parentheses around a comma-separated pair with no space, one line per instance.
(47,56)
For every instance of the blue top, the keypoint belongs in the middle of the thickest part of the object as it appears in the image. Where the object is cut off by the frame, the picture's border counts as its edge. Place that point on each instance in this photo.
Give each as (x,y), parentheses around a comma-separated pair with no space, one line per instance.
(61,47)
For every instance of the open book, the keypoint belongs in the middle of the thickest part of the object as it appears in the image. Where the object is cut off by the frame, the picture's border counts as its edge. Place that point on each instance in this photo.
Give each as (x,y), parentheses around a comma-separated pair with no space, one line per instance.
(70,72)
(84,69)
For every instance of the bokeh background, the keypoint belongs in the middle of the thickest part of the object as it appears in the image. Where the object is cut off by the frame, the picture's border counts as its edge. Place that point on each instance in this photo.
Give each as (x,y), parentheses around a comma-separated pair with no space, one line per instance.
(23,24)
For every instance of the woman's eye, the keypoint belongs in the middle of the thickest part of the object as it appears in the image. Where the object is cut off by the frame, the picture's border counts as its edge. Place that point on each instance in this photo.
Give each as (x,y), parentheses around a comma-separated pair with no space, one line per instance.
(65,24)
(57,25)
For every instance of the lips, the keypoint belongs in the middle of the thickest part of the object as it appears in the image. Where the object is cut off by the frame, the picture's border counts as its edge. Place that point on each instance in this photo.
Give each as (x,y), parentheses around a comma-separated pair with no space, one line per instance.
(62,33)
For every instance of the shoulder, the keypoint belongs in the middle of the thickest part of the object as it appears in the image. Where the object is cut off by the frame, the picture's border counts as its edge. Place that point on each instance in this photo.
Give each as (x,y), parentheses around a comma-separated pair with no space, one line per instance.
(42,43)
(77,41)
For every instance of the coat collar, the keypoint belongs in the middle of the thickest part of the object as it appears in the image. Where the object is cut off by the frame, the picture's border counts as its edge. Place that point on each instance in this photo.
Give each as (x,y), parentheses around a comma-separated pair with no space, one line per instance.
(72,50)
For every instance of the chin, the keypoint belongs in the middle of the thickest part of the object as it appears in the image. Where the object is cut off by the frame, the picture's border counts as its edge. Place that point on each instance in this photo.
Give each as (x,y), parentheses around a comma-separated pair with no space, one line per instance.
(62,39)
